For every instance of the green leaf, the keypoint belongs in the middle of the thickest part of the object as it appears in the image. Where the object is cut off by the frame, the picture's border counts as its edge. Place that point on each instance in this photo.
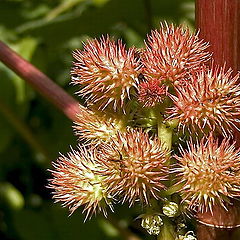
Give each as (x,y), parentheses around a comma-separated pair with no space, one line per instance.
(11,196)
(6,133)
(52,222)
(61,8)
(25,47)
(108,228)
(100,2)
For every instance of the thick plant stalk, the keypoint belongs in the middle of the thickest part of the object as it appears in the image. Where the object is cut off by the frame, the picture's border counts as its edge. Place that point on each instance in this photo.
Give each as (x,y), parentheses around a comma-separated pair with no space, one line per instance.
(219,24)
(40,82)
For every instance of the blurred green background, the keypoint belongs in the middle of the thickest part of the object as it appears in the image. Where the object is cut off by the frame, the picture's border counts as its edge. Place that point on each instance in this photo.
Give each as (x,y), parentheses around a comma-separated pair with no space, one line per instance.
(32,131)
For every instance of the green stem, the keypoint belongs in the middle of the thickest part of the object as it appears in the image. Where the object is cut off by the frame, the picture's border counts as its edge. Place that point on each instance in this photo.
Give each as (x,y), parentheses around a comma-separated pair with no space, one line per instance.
(167,231)
(23,129)
(164,134)
(164,129)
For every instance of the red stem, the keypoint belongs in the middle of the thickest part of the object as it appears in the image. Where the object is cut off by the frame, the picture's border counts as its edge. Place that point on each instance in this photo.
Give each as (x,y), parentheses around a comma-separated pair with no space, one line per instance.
(219,24)
(40,82)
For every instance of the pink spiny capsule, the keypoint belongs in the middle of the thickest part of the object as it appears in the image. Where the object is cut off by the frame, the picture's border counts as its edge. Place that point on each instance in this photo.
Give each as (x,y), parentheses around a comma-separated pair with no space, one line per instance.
(76,182)
(96,128)
(208,173)
(151,93)
(106,71)
(172,52)
(138,166)
(209,101)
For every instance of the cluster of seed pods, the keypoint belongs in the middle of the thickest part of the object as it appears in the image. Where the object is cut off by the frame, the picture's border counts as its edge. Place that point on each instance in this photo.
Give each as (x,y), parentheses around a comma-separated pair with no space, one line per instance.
(159,127)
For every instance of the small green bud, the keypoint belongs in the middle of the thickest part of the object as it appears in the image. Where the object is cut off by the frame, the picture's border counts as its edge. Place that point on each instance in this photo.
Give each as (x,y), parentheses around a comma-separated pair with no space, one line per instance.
(145,222)
(190,237)
(180,226)
(152,223)
(170,209)
(154,230)
(172,123)
(187,236)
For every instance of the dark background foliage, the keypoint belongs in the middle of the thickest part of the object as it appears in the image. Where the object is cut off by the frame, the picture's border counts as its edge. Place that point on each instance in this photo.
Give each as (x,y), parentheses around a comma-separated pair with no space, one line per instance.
(32,131)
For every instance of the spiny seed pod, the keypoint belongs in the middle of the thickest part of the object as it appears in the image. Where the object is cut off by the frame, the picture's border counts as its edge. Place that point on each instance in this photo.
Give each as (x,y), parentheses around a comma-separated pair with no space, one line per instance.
(95,128)
(209,172)
(106,71)
(76,182)
(137,163)
(151,93)
(210,101)
(171,53)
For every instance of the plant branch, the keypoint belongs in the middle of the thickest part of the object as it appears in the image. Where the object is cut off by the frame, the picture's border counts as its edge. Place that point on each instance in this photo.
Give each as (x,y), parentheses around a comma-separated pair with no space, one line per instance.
(40,82)
(167,231)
